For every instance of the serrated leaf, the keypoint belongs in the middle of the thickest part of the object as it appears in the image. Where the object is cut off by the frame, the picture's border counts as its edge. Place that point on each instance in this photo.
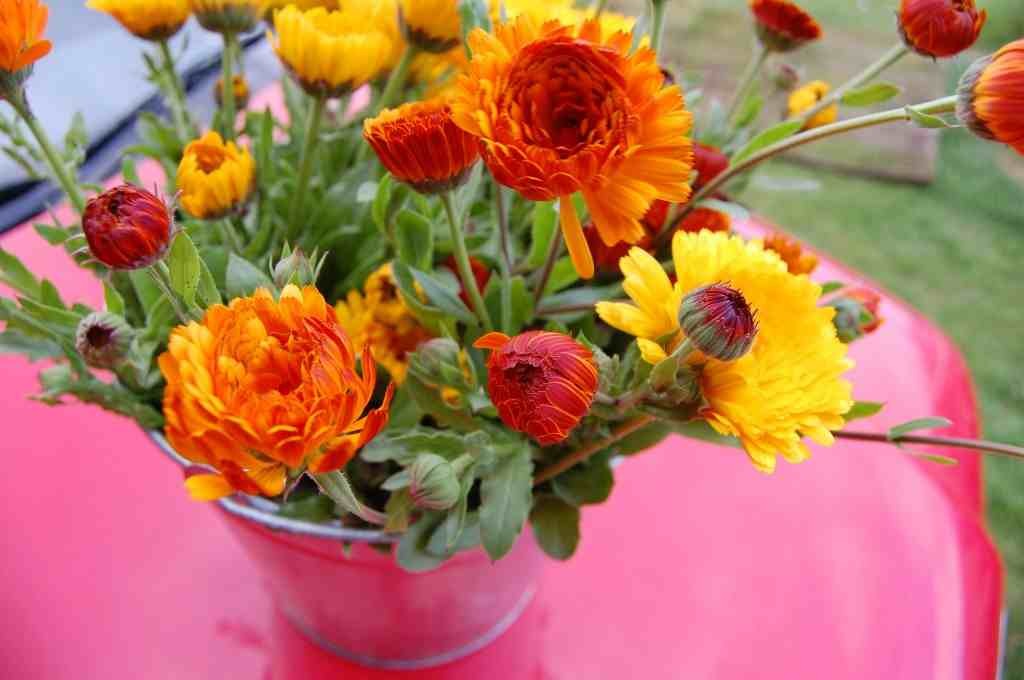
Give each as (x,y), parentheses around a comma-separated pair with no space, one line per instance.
(863,409)
(243,277)
(925,120)
(506,494)
(184,265)
(875,93)
(414,239)
(556,524)
(930,423)
(766,138)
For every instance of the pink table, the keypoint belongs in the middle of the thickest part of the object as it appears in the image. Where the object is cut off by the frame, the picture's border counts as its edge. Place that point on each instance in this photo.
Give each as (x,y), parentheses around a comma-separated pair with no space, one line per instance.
(861,563)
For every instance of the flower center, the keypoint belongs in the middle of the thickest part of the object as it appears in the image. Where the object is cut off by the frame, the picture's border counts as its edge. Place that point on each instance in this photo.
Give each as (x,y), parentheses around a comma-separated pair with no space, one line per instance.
(99,336)
(209,157)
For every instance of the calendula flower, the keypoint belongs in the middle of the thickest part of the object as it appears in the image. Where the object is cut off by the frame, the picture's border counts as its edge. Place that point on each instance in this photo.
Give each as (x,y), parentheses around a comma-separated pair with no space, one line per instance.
(214,177)
(709,162)
(271,5)
(127,227)
(380,320)
(239,87)
(701,219)
(262,389)
(561,110)
(22,23)
(782,25)
(940,28)
(797,260)
(541,383)
(430,25)
(806,97)
(154,20)
(331,53)
(227,16)
(421,145)
(607,257)
(788,386)
(563,11)
(991,96)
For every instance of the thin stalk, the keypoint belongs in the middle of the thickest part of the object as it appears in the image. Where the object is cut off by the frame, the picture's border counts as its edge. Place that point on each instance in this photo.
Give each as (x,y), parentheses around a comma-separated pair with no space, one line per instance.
(57,167)
(659,8)
(176,100)
(867,75)
(159,274)
(995,448)
(462,262)
(621,432)
(305,166)
(230,237)
(599,7)
(757,60)
(228,91)
(335,486)
(937,106)
(506,258)
(396,81)
(549,263)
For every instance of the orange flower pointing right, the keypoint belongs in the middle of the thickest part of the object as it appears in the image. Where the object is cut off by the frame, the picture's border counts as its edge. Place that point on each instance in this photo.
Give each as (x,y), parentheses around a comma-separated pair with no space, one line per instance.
(991,96)
(22,23)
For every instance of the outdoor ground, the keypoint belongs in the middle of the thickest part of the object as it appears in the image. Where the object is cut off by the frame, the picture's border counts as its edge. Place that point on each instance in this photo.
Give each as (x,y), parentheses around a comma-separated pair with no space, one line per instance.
(953,248)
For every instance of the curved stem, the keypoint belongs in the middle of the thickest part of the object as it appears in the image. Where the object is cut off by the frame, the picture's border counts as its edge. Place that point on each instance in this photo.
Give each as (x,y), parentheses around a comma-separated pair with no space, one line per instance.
(621,432)
(658,11)
(228,89)
(305,166)
(995,448)
(60,172)
(554,249)
(176,100)
(867,75)
(396,81)
(746,80)
(462,262)
(159,274)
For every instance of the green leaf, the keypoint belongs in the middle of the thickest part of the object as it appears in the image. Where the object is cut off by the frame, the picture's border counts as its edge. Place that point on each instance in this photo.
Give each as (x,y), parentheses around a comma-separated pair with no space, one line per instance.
(128,171)
(930,423)
(209,293)
(556,524)
(16,275)
(643,439)
(863,409)
(243,277)
(56,316)
(831,287)
(381,203)
(399,510)
(701,431)
(750,110)
(445,300)
(563,275)
(766,138)
(185,267)
(414,239)
(587,483)
(59,381)
(506,494)
(34,348)
(925,120)
(545,222)
(53,235)
(875,93)
(474,14)
(112,299)
(412,554)
(145,289)
(314,508)
(49,295)
(935,458)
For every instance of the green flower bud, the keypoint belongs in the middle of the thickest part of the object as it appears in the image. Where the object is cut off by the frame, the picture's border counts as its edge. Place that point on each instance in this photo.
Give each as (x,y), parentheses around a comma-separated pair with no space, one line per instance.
(297,268)
(434,482)
(103,339)
(441,362)
(718,321)
(856,313)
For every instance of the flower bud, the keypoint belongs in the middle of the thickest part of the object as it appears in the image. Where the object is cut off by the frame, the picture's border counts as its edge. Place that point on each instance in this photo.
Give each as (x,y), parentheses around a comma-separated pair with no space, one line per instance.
(228,16)
(240,88)
(718,321)
(856,313)
(21,44)
(103,339)
(783,25)
(434,483)
(127,227)
(786,77)
(709,163)
(990,96)
(297,268)
(940,28)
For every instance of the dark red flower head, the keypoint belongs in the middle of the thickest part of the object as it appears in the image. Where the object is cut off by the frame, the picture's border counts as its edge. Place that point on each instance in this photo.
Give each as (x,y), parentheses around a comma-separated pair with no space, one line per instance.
(718,321)
(127,227)
(709,163)
(607,257)
(940,28)
(541,383)
(782,25)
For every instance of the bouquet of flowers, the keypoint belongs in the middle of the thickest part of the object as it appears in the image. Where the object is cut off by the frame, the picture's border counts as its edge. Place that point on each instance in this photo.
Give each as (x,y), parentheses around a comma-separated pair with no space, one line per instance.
(487,250)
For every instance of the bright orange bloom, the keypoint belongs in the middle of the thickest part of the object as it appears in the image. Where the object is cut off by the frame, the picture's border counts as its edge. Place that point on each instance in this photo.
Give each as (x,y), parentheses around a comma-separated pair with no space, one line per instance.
(940,28)
(792,253)
(541,383)
(561,109)
(263,389)
(421,145)
(607,257)
(705,218)
(991,96)
(782,25)
(22,23)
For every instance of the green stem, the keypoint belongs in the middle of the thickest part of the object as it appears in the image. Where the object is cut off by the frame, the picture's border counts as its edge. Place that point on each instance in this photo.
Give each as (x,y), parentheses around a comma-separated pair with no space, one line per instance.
(176,100)
(160,274)
(305,166)
(554,249)
(580,455)
(505,260)
(396,81)
(228,90)
(995,448)
(867,75)
(746,80)
(462,262)
(599,7)
(230,237)
(659,9)
(937,106)
(60,171)
(335,486)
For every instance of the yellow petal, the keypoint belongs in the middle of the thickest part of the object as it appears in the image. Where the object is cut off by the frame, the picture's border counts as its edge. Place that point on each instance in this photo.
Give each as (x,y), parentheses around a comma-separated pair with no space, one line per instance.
(208,487)
(651,351)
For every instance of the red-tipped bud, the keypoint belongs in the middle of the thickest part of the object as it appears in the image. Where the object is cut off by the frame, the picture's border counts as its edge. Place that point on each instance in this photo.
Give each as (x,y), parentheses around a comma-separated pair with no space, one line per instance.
(856,313)
(542,383)
(783,25)
(718,321)
(709,163)
(103,339)
(940,28)
(991,96)
(127,227)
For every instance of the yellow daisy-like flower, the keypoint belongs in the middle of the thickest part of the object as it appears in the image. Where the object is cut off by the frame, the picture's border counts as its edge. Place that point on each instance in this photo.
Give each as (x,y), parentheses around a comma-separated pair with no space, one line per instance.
(564,11)
(154,20)
(431,25)
(789,385)
(804,98)
(227,16)
(379,319)
(331,53)
(215,178)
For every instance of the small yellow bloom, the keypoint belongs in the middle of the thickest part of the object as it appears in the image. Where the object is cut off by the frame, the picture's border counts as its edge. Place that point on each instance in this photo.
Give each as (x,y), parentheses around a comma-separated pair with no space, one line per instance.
(332,53)
(228,16)
(239,87)
(789,385)
(215,178)
(154,20)
(431,25)
(803,98)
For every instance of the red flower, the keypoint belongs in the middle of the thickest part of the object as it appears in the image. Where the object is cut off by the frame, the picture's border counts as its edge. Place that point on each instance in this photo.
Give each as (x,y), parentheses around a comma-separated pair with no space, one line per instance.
(782,25)
(480,272)
(541,383)
(940,28)
(991,96)
(709,163)
(607,257)
(127,227)
(705,218)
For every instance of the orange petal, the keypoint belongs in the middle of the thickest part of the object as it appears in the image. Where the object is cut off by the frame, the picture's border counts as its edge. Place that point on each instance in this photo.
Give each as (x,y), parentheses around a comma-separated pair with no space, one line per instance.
(492,340)
(208,487)
(579,251)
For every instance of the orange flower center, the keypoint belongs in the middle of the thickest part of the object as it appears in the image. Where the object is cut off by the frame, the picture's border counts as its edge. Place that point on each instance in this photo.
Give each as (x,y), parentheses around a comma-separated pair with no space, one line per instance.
(209,157)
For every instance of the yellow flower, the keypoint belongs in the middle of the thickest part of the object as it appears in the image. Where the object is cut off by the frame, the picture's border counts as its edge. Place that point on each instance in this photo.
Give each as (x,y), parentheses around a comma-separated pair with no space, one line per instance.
(564,11)
(227,16)
(379,319)
(803,98)
(272,5)
(789,385)
(332,53)
(431,25)
(147,19)
(214,178)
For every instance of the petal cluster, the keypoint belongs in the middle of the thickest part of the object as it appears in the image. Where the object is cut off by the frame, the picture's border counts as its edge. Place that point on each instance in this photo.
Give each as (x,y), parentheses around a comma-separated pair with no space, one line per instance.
(789,385)
(214,177)
(940,28)
(783,25)
(561,110)
(791,251)
(265,388)
(421,145)
(431,25)
(127,227)
(541,383)
(991,96)
(22,23)
(147,19)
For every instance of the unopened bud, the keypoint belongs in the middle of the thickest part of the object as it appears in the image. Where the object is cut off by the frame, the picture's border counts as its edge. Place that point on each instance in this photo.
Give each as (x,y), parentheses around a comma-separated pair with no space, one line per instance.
(296,268)
(434,482)
(440,361)
(856,313)
(240,88)
(786,77)
(103,339)
(718,321)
